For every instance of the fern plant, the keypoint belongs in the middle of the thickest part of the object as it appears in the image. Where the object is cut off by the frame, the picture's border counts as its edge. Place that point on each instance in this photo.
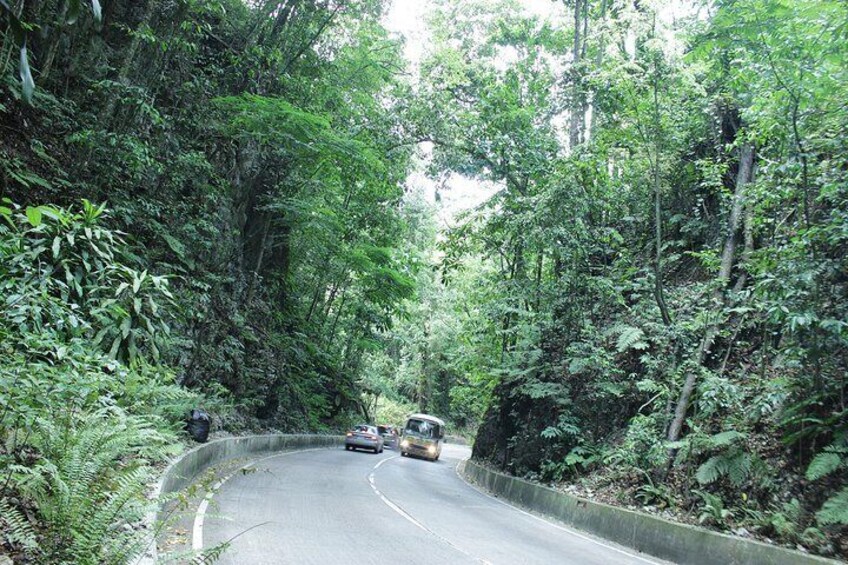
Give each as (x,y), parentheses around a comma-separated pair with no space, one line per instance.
(17,529)
(651,494)
(713,510)
(834,510)
(731,461)
(629,337)
(833,458)
(87,485)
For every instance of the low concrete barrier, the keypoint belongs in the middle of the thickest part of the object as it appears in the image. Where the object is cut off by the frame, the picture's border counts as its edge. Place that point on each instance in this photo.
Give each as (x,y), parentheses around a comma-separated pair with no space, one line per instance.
(188,466)
(655,536)
(456,440)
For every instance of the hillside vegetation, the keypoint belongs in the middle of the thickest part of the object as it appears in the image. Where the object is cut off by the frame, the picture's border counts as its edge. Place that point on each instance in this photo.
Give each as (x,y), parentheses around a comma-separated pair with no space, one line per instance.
(662,273)
(246,241)
(205,203)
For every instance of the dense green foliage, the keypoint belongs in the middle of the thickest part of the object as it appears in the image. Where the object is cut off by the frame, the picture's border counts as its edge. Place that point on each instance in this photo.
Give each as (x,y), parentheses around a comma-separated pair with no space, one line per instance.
(652,304)
(83,412)
(250,150)
(663,271)
(250,158)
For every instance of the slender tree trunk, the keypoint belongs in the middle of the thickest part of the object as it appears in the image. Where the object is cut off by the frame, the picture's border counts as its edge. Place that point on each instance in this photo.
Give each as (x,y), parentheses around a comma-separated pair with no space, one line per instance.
(599,56)
(659,292)
(260,254)
(126,65)
(802,156)
(576,107)
(424,379)
(748,229)
(338,315)
(540,259)
(53,49)
(743,177)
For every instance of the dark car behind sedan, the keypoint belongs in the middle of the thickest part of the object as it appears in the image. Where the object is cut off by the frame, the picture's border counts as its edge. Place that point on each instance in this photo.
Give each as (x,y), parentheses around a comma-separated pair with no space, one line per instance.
(364,437)
(390,436)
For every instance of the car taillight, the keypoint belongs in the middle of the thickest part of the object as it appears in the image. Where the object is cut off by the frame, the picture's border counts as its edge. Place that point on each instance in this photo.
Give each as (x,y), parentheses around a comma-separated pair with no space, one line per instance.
(349,434)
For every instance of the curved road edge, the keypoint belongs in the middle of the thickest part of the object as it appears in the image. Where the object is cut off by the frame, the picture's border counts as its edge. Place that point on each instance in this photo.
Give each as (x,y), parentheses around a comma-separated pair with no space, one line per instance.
(679,543)
(183,470)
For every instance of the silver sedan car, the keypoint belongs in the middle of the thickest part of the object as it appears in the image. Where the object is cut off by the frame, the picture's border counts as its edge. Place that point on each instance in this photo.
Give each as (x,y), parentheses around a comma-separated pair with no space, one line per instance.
(365,437)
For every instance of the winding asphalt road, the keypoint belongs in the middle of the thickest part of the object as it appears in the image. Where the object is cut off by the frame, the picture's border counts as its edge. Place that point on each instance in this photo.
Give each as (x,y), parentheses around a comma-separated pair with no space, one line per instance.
(328,506)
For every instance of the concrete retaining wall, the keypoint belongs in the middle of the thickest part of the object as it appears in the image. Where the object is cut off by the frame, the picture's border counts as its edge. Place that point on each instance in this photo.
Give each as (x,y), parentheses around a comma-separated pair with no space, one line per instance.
(675,542)
(184,470)
(188,466)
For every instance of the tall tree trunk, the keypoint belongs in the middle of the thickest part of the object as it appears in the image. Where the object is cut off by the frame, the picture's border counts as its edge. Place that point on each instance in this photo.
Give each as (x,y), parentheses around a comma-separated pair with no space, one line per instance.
(338,315)
(659,293)
(599,56)
(126,64)
(254,273)
(55,40)
(743,177)
(576,54)
(424,384)
(748,230)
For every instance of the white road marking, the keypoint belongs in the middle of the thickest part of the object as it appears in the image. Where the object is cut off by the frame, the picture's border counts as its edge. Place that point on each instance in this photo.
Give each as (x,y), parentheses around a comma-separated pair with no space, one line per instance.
(197,533)
(388,502)
(405,514)
(548,522)
(200,515)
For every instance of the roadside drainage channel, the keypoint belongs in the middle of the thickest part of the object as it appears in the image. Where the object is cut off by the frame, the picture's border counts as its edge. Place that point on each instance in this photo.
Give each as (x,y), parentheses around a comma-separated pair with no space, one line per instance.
(188,467)
(679,543)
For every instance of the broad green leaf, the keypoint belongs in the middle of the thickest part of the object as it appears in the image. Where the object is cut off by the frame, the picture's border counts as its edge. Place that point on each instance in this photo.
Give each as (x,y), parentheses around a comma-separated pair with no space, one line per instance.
(113,351)
(126,325)
(33,214)
(121,288)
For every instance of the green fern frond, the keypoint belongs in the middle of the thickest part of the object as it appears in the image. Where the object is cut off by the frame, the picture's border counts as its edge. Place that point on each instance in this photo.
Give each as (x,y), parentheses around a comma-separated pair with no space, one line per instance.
(89,483)
(211,555)
(726,438)
(736,466)
(17,528)
(709,471)
(630,338)
(822,465)
(834,510)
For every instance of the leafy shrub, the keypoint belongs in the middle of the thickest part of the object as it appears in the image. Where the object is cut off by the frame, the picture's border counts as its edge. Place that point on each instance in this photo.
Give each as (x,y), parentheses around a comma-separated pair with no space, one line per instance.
(88,483)
(659,495)
(713,510)
(64,272)
(80,425)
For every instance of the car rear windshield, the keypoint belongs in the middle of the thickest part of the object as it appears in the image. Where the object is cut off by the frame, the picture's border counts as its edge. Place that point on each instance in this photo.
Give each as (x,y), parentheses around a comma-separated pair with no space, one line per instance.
(422,428)
(361,429)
